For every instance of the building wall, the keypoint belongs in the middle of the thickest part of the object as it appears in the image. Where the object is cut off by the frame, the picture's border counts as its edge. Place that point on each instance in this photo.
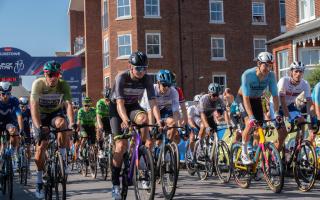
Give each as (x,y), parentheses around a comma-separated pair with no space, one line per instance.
(287,45)
(76,20)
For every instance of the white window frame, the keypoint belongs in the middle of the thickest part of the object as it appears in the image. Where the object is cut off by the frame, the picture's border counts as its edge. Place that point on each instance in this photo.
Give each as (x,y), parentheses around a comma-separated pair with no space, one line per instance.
(254,45)
(106,49)
(119,46)
(127,16)
(211,11)
(224,48)
(264,13)
(308,15)
(153,55)
(145,10)
(107,78)
(219,76)
(282,26)
(279,63)
(105,22)
(300,50)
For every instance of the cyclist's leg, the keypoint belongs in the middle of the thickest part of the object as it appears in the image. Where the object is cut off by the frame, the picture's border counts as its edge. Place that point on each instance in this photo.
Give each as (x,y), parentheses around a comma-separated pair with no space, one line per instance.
(83,139)
(59,122)
(139,116)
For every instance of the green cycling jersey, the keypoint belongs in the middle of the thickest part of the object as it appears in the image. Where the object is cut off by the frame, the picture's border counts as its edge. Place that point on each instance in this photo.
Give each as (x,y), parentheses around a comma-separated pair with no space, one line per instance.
(87,118)
(102,109)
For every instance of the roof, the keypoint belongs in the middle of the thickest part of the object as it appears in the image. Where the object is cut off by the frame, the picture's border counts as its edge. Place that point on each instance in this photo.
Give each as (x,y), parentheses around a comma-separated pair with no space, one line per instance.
(301,29)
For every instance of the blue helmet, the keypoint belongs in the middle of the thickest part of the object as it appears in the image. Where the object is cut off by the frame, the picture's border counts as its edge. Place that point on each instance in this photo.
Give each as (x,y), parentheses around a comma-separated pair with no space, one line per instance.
(164,76)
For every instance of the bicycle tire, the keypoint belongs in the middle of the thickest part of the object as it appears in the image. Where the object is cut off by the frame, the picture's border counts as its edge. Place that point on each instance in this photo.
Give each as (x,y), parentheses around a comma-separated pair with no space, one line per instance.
(189,161)
(148,160)
(223,171)
(93,162)
(305,183)
(60,178)
(109,162)
(48,191)
(168,165)
(274,166)
(201,169)
(241,177)
(10,177)
(124,175)
(177,156)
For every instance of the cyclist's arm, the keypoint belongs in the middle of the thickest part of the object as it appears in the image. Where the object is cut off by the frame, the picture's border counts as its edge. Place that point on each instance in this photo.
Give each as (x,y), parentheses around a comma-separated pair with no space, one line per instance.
(155,110)
(191,122)
(284,106)
(70,113)
(176,117)
(184,112)
(247,105)
(274,91)
(122,110)
(204,119)
(276,103)
(282,92)
(20,121)
(35,113)
(99,121)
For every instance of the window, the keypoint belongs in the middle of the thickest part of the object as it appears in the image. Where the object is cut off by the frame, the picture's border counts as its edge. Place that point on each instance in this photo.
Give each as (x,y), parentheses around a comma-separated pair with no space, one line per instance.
(309,56)
(107,82)
(259,45)
(217,48)
(153,44)
(124,45)
(106,52)
(258,13)
(105,15)
(152,8)
(306,10)
(216,11)
(123,8)
(283,62)
(221,80)
(283,15)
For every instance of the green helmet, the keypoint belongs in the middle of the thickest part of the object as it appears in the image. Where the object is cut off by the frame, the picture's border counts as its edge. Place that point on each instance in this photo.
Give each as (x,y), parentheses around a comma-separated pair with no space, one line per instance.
(52,66)
(86,101)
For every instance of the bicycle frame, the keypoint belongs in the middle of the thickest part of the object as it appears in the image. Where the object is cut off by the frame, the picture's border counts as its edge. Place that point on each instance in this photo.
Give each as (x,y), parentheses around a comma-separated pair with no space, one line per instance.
(134,155)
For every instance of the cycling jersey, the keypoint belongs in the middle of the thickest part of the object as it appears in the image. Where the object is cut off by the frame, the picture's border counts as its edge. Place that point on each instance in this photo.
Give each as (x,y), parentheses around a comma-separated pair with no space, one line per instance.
(168,101)
(50,98)
(316,94)
(26,116)
(87,118)
(102,109)
(193,111)
(132,90)
(290,91)
(9,112)
(251,86)
(207,106)
(181,96)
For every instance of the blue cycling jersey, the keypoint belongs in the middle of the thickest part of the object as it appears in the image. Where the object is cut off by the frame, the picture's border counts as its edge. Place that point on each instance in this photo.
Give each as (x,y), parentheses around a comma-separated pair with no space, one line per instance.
(9,111)
(316,94)
(251,86)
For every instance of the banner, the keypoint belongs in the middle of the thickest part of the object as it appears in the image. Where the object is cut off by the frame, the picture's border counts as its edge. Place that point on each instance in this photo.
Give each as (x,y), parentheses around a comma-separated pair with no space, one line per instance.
(15,63)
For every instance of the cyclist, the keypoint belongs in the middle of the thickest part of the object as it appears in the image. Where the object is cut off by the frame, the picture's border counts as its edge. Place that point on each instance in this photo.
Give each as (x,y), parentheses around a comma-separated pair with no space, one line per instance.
(26,115)
(253,82)
(124,109)
(194,120)
(87,124)
(49,95)
(10,120)
(315,107)
(103,118)
(289,88)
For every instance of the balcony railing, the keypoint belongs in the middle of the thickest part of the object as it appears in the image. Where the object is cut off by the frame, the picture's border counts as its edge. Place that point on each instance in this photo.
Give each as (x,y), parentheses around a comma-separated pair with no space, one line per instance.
(79,44)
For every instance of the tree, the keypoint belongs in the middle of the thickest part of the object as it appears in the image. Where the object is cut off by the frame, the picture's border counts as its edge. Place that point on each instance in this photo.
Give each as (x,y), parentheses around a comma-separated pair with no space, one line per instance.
(314,76)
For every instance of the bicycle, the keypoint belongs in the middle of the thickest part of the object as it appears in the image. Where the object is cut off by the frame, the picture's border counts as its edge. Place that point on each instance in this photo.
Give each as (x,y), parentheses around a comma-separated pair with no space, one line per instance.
(54,171)
(23,162)
(266,155)
(106,162)
(89,159)
(137,165)
(302,158)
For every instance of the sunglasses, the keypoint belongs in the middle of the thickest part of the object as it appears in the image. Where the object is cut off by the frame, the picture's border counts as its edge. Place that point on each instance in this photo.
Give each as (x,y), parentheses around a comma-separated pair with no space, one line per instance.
(166,85)
(298,71)
(53,74)
(140,68)
(214,95)
(86,105)
(5,93)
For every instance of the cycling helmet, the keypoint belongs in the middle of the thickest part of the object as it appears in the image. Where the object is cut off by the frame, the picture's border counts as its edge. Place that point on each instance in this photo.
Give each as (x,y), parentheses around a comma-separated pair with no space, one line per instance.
(107,93)
(5,87)
(75,104)
(138,58)
(164,76)
(297,65)
(265,57)
(197,98)
(214,88)
(86,101)
(52,66)
(23,101)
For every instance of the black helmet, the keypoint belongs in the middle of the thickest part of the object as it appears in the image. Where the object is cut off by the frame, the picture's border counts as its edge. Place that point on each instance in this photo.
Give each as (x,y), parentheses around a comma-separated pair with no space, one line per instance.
(214,88)
(138,58)
(107,93)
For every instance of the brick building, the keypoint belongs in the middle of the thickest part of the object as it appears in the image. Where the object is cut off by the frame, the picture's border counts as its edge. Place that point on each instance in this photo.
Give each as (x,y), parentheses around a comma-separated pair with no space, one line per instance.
(302,39)
(200,40)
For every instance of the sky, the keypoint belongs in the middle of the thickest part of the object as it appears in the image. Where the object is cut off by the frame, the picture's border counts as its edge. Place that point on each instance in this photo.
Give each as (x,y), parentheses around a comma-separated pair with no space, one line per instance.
(39,27)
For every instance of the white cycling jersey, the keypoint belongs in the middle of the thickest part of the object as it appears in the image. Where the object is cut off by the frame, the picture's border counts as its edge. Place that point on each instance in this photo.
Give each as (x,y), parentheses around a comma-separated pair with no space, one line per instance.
(169,100)
(290,91)
(193,111)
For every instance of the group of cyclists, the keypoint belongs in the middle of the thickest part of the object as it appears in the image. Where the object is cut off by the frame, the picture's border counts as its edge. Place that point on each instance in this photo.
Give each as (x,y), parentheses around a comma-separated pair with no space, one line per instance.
(135,99)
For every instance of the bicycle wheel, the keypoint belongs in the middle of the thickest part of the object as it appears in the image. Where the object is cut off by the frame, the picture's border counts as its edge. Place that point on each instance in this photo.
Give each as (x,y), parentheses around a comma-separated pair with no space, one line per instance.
(124,176)
(93,163)
(305,166)
(240,172)
(168,172)
(201,161)
(60,178)
(177,156)
(109,161)
(272,167)
(84,163)
(48,177)
(9,177)
(189,161)
(222,162)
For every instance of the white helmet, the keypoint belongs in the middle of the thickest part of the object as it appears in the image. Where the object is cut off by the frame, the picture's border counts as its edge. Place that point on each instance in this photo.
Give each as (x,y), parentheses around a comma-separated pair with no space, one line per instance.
(265,57)
(23,101)
(197,98)
(5,87)
(297,65)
